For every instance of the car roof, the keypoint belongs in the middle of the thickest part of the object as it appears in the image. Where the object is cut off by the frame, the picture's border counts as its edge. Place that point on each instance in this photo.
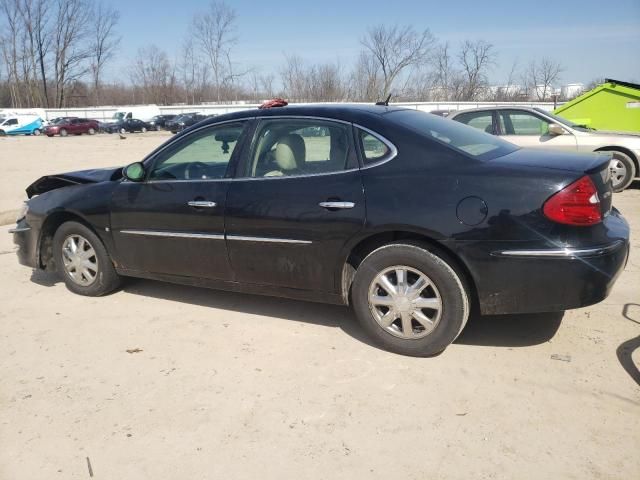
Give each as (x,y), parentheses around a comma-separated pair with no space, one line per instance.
(492,108)
(342,111)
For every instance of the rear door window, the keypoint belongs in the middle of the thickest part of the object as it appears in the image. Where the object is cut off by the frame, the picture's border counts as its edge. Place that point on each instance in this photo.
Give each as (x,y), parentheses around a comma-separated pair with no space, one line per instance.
(480,120)
(294,147)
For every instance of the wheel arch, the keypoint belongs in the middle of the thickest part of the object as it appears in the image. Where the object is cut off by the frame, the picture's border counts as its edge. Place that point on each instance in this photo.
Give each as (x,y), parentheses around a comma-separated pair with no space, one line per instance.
(49,227)
(376,240)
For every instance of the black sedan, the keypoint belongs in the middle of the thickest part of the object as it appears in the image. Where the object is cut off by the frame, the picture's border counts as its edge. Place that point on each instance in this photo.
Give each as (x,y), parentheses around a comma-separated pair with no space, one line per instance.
(410,218)
(130,125)
(160,121)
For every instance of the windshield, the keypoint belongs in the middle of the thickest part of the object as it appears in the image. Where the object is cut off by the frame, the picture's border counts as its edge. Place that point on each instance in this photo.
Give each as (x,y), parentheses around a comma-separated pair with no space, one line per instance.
(119,115)
(465,139)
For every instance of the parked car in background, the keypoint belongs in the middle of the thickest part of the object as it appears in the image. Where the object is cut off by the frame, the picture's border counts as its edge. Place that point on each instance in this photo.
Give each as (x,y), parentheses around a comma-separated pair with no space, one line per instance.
(409,217)
(141,112)
(131,125)
(159,121)
(21,125)
(184,121)
(71,126)
(536,128)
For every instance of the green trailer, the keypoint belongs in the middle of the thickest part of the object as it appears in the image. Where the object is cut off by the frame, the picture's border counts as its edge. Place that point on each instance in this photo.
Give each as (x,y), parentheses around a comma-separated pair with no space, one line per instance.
(614,105)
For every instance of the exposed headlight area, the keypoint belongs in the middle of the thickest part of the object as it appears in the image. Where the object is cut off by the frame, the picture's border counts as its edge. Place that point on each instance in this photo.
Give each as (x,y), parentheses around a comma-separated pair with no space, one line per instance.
(23,211)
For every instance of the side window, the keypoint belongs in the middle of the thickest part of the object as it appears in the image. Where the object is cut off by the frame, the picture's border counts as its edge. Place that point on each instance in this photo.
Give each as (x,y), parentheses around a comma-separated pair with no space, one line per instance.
(514,122)
(480,120)
(289,147)
(373,148)
(129,116)
(12,121)
(203,155)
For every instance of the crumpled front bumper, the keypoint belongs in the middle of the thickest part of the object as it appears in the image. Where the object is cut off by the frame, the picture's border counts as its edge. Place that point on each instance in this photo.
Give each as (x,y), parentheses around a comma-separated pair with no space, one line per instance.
(26,239)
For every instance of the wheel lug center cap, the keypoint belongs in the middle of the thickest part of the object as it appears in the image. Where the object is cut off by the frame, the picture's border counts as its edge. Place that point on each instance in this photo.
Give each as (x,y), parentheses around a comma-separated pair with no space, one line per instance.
(404,304)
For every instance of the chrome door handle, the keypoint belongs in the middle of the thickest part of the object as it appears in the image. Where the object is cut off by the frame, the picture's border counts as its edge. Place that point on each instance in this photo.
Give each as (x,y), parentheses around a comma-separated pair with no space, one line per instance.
(339,205)
(201,204)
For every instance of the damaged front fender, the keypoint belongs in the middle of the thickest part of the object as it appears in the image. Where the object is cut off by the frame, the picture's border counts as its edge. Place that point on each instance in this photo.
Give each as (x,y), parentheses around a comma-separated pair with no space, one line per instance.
(53,182)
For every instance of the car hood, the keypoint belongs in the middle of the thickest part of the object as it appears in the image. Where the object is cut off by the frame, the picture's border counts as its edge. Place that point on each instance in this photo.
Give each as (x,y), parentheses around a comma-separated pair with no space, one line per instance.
(53,182)
(557,160)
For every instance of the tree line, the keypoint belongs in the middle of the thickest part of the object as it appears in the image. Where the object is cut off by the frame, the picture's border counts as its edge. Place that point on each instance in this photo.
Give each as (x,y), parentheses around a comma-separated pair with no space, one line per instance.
(54,53)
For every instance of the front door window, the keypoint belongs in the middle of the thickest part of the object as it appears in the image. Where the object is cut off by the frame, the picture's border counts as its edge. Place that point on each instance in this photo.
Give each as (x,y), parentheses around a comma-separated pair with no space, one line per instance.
(204,155)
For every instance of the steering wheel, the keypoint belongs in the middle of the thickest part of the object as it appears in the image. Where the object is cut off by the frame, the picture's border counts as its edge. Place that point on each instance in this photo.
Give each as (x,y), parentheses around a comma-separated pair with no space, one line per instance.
(195,170)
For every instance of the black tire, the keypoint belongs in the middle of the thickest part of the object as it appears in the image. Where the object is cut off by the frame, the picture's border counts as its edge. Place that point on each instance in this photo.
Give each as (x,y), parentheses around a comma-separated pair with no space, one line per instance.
(451,288)
(106,279)
(619,184)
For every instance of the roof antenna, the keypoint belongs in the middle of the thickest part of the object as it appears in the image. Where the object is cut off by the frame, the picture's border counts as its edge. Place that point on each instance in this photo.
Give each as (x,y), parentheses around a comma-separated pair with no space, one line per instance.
(384,103)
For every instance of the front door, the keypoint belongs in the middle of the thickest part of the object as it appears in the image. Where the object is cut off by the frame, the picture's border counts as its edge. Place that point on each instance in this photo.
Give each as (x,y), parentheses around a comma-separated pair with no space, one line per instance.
(298,200)
(529,130)
(173,222)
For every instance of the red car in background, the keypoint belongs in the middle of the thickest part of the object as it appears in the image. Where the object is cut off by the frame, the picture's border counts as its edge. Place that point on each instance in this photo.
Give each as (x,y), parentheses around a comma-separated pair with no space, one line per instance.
(71,126)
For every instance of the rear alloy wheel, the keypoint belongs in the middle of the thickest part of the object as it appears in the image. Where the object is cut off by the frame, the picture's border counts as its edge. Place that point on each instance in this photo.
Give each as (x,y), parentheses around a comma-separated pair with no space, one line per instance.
(63,132)
(83,262)
(91,131)
(410,300)
(623,171)
(144,130)
(123,131)
(36,132)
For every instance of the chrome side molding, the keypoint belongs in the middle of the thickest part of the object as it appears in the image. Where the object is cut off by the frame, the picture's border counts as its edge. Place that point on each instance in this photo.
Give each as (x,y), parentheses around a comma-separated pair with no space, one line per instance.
(561,252)
(211,236)
(156,233)
(267,239)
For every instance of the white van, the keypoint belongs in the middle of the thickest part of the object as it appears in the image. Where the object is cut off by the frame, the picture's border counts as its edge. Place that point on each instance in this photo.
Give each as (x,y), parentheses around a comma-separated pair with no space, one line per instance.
(140,112)
(21,125)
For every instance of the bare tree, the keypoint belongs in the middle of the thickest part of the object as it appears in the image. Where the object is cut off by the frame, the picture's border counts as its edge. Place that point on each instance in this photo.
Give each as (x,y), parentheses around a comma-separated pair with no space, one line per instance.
(475,60)
(541,76)
(12,48)
(35,17)
(396,49)
(104,42)
(215,33)
(70,31)
(153,72)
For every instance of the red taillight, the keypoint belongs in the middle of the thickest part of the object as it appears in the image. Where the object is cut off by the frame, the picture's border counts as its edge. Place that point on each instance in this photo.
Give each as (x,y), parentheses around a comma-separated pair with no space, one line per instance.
(576,204)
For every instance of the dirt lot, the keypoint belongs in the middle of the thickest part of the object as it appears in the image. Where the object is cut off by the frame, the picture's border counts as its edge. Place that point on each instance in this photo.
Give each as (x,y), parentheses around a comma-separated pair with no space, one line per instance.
(168,382)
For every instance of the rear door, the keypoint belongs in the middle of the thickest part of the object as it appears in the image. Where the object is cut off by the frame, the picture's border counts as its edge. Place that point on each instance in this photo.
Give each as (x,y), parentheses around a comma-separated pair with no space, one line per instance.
(298,200)
(527,129)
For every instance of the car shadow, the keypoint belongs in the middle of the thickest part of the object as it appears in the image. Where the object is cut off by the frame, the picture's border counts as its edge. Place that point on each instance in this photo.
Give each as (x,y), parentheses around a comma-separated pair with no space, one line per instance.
(518,330)
(635,185)
(494,330)
(625,350)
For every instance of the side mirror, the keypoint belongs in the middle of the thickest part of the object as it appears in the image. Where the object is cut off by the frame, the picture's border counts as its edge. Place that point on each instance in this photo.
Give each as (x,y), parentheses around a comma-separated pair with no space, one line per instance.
(555,129)
(134,172)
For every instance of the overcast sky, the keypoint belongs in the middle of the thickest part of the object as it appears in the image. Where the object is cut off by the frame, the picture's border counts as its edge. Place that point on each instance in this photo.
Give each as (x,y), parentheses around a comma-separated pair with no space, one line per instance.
(590,38)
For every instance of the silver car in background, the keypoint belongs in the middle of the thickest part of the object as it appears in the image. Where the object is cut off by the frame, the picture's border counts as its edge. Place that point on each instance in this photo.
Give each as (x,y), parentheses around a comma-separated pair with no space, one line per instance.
(536,128)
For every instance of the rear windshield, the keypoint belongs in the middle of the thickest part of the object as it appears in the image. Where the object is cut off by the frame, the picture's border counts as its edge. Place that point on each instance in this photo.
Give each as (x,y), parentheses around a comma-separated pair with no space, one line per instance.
(467,140)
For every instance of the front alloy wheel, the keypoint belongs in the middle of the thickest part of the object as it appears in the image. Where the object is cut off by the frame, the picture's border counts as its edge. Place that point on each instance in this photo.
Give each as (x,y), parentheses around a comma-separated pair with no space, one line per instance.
(623,171)
(79,260)
(83,261)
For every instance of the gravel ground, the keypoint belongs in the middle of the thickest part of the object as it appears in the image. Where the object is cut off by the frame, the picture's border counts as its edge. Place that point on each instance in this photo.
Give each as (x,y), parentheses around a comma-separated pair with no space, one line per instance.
(163,381)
